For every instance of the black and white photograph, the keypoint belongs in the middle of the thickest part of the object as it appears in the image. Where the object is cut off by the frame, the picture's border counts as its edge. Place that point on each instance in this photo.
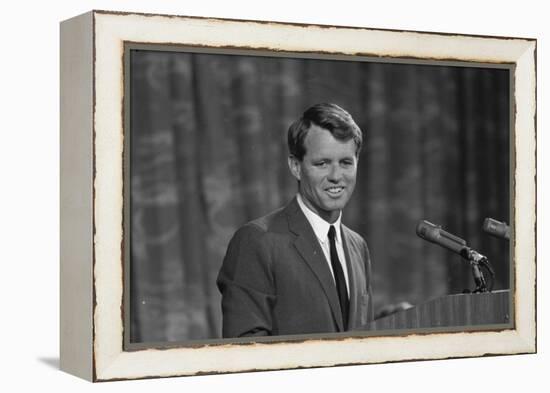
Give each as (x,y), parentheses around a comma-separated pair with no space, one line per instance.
(291,195)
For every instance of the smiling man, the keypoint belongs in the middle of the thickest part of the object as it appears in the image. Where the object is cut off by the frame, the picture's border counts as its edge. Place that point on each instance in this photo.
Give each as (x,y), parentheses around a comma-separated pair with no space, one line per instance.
(299,270)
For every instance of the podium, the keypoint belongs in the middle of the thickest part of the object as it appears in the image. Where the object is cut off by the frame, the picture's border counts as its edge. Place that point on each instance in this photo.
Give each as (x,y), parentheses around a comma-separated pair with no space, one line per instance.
(452,310)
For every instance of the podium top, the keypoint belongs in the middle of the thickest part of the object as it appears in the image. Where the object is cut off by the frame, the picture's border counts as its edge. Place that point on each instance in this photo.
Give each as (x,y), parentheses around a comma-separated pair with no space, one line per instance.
(452,310)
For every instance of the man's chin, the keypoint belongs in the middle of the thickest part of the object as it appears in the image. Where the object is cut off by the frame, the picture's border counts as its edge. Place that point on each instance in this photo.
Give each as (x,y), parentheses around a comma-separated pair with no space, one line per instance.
(334,206)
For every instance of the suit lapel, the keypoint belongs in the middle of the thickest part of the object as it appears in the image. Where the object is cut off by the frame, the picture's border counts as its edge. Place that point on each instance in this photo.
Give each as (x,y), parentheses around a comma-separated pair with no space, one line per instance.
(352,278)
(309,248)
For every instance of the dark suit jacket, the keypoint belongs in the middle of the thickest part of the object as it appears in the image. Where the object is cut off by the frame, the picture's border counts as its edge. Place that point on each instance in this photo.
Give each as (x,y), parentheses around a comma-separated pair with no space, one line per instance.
(275,279)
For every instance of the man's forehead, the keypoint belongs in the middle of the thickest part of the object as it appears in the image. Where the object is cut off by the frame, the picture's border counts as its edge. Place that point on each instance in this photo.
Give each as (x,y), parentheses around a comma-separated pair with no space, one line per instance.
(321,140)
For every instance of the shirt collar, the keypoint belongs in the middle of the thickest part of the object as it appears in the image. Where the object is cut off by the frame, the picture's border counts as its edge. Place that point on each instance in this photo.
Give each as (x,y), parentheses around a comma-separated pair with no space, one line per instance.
(319,225)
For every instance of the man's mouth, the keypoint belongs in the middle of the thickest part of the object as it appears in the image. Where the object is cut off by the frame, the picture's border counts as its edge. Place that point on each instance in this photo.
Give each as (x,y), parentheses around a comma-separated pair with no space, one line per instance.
(335,190)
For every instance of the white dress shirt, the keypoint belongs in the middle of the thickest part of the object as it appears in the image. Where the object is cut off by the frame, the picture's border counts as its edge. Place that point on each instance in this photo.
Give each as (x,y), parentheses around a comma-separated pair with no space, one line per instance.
(320,228)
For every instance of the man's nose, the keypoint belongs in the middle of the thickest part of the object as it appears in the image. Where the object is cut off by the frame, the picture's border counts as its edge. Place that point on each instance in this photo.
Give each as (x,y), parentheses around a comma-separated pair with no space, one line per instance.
(335,173)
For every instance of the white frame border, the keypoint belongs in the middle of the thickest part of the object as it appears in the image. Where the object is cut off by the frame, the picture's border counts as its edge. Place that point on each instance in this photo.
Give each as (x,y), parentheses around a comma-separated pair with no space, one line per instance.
(111,30)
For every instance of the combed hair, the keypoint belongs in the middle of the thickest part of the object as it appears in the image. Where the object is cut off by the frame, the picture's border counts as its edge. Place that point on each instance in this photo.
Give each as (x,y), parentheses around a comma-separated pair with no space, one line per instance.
(328,116)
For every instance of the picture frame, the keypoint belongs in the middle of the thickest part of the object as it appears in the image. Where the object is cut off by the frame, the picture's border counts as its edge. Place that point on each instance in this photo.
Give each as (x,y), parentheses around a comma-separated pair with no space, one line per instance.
(93,186)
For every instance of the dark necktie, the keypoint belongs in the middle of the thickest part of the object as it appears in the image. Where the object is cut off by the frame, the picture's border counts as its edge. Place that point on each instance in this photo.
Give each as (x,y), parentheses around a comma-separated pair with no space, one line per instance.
(339,277)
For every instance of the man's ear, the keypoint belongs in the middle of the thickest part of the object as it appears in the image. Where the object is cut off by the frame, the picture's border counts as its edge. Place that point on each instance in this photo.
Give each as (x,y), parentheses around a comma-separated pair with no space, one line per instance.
(294,165)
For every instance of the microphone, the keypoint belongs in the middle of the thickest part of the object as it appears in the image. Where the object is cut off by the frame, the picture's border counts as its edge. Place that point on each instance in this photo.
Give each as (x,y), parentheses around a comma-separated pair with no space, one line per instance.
(434,234)
(496,228)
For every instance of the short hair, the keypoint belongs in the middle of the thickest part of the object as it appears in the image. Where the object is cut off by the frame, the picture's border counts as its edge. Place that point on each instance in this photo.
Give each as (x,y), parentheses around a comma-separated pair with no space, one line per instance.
(328,116)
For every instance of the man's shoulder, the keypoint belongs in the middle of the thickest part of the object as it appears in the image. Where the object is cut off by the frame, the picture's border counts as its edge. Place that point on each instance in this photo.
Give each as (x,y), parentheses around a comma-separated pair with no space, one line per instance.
(273,222)
(270,222)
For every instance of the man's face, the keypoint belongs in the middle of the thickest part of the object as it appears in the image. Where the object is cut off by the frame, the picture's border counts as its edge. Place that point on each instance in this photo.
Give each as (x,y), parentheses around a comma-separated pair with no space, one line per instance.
(326,173)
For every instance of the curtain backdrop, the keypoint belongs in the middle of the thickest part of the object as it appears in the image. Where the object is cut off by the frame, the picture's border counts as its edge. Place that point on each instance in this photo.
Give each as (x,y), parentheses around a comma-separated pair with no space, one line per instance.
(208,153)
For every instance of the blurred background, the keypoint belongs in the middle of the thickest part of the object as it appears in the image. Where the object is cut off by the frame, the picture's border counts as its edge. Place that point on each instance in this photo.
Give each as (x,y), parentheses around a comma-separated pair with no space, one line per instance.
(208,153)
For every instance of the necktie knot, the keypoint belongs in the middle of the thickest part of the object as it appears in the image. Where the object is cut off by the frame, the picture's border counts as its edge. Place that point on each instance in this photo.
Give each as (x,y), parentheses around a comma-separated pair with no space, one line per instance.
(331,233)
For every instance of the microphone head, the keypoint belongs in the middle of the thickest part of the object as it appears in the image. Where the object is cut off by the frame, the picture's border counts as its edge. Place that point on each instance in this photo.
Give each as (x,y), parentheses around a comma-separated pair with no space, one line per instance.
(435,234)
(428,231)
(496,228)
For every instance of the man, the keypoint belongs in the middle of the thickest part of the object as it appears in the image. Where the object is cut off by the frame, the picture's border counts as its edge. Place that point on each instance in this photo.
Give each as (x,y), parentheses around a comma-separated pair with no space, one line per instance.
(298,270)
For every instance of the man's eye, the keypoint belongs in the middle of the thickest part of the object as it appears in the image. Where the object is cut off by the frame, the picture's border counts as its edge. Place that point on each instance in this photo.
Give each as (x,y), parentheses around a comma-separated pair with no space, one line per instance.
(347,163)
(321,164)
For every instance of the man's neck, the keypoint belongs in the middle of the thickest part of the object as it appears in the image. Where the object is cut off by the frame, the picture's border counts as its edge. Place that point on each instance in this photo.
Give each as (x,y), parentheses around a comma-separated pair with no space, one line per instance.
(332,217)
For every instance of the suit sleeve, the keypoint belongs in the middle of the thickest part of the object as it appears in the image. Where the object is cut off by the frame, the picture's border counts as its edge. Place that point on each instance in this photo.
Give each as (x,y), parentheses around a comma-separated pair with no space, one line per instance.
(246,283)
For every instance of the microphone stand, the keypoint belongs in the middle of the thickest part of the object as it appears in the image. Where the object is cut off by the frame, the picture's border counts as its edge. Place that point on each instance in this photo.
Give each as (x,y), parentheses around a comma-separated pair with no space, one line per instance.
(435,234)
(476,262)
